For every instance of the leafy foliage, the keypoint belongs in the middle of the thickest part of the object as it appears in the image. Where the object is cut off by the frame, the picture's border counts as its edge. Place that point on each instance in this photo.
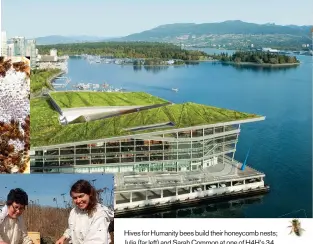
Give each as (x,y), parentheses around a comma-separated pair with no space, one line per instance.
(41,79)
(126,50)
(256,57)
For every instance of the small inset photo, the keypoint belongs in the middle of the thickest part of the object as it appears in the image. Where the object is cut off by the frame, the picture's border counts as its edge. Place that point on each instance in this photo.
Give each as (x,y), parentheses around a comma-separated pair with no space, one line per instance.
(57,208)
(14,115)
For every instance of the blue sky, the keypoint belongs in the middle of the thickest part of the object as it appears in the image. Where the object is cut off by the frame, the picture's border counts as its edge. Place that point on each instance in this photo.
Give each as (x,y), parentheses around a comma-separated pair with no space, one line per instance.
(45,187)
(111,18)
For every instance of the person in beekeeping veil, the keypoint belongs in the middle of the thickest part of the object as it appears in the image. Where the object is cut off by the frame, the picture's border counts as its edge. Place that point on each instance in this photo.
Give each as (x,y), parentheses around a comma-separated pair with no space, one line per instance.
(89,220)
(12,228)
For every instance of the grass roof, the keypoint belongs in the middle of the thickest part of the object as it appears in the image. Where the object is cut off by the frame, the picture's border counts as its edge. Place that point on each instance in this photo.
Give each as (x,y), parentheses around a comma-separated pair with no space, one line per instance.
(46,130)
(91,99)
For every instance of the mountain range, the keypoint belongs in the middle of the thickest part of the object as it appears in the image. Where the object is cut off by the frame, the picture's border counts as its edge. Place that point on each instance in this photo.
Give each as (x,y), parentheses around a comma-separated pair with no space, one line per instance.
(236,27)
(58,39)
(231,32)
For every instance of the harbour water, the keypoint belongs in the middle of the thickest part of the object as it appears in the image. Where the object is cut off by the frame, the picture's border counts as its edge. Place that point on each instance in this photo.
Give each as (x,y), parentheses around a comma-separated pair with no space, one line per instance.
(281,146)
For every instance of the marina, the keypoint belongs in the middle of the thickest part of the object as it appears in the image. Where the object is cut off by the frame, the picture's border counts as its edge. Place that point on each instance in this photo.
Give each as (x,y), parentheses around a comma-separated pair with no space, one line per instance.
(92,59)
(105,87)
(61,82)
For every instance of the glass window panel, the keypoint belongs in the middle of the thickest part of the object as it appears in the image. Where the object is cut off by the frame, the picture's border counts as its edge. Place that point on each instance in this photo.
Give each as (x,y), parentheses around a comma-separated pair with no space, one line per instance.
(112,149)
(52,152)
(127,158)
(184,155)
(37,163)
(38,153)
(81,161)
(170,166)
(171,135)
(81,170)
(96,170)
(231,127)
(51,163)
(126,168)
(197,154)
(197,133)
(141,168)
(208,131)
(66,170)
(66,162)
(112,159)
(111,169)
(184,134)
(170,156)
(127,148)
(219,129)
(98,161)
(184,145)
(51,171)
(140,158)
(156,167)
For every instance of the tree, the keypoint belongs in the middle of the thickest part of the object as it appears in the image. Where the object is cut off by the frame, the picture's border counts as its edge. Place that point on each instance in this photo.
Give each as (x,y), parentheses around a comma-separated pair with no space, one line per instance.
(273,60)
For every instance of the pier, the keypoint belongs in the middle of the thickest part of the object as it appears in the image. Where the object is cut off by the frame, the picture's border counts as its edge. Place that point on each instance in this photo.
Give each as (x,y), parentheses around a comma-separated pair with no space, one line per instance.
(65,80)
(97,87)
(162,191)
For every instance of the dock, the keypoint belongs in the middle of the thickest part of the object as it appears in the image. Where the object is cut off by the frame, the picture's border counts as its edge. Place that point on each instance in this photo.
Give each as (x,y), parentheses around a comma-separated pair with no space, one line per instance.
(154,191)
(65,80)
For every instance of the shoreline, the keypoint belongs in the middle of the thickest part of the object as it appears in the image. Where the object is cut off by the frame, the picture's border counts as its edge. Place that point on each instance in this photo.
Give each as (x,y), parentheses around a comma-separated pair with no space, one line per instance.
(259,65)
(154,65)
(52,78)
(48,84)
(169,65)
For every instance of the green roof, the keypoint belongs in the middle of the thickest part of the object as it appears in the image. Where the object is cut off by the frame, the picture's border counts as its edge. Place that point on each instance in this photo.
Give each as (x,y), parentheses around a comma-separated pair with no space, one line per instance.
(91,99)
(46,130)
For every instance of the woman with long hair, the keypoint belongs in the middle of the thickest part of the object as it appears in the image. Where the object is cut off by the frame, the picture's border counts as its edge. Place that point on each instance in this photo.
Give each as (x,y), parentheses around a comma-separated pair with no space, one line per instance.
(88,220)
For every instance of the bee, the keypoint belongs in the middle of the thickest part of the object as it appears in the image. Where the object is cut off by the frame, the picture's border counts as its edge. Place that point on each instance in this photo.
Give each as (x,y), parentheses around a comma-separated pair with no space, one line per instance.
(296,227)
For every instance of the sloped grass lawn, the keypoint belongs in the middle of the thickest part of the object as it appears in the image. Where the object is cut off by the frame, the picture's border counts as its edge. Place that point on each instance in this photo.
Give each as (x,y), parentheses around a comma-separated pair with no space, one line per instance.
(90,99)
(44,121)
(46,130)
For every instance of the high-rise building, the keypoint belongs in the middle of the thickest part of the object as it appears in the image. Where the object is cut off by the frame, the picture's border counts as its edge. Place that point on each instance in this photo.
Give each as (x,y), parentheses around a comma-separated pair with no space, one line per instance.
(4,51)
(19,46)
(31,52)
(10,49)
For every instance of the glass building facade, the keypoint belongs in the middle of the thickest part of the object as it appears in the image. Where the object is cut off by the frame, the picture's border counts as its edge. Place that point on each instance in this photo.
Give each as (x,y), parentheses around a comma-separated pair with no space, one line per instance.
(165,151)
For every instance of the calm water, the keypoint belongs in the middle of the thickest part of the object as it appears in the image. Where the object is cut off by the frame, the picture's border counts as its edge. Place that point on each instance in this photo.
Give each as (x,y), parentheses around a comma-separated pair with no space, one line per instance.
(281,146)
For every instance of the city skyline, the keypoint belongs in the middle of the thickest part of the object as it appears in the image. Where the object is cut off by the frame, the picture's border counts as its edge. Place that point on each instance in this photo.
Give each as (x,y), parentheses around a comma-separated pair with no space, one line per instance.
(120,18)
(49,186)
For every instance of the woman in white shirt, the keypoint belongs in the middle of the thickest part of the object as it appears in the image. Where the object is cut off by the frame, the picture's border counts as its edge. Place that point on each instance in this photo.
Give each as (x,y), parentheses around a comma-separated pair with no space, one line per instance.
(88,220)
